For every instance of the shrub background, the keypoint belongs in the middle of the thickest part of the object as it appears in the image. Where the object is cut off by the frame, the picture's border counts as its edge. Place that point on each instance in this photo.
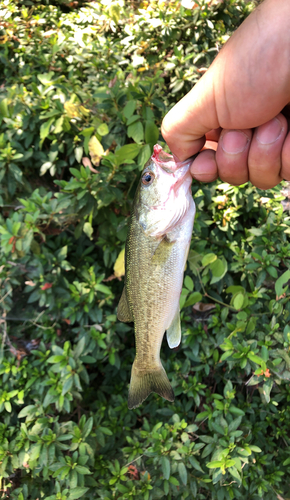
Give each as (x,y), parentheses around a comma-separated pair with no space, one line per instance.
(83,89)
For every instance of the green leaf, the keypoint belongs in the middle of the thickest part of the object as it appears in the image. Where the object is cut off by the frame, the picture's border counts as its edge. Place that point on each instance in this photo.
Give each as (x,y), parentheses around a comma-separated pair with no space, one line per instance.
(255,448)
(77,492)
(129,109)
(78,154)
(257,231)
(35,451)
(133,119)
(67,385)
(114,11)
(87,427)
(218,268)
(58,125)
(136,132)
(235,424)
(238,301)
(193,260)
(103,288)
(144,155)
(191,428)
(87,132)
(188,283)
(272,271)
(62,253)
(88,229)
(233,472)
(46,78)
(261,278)
(182,473)
(281,282)
(151,132)
(251,325)
(103,129)
(256,359)
(194,462)
(27,410)
(127,152)
(226,355)
(236,411)
(7,406)
(56,359)
(264,353)
(266,390)
(243,452)
(193,299)
(215,464)
(230,462)
(208,259)
(234,289)
(45,128)
(174,481)
(165,465)
(82,470)
(4,108)
(79,348)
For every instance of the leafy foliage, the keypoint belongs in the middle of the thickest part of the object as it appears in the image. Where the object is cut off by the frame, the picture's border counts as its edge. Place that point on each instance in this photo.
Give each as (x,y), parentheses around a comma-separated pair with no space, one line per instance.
(83,91)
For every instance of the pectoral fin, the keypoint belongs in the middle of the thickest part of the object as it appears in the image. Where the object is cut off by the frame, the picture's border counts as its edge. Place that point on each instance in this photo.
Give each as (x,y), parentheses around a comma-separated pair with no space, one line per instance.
(173,333)
(123,312)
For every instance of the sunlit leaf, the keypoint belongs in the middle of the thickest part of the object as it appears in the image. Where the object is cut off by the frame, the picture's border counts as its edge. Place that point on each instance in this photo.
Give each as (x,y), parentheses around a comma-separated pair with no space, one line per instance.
(96,150)
(119,266)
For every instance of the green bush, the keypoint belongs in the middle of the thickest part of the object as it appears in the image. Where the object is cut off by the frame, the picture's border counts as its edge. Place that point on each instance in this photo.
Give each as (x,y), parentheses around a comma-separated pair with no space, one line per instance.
(83,89)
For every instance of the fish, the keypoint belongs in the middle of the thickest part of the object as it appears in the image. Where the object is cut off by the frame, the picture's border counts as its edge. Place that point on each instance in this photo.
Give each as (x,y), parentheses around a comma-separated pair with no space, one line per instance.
(156,250)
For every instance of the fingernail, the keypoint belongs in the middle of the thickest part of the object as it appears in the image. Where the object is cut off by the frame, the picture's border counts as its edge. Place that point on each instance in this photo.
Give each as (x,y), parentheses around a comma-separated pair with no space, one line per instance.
(204,170)
(234,142)
(269,132)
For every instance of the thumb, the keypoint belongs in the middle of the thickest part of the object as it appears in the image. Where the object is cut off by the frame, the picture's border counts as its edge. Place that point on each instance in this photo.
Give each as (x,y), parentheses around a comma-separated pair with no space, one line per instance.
(246,85)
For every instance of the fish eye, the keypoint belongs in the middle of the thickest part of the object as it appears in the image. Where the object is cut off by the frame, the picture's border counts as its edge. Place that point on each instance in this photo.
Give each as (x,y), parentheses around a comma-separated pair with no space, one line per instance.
(148,178)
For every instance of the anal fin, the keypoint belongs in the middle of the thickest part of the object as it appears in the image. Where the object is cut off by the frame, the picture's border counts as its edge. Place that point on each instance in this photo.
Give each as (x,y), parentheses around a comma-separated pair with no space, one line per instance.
(123,312)
(173,333)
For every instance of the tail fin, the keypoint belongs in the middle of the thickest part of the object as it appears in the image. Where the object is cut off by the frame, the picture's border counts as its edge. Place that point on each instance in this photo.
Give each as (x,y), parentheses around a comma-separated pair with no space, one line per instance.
(142,384)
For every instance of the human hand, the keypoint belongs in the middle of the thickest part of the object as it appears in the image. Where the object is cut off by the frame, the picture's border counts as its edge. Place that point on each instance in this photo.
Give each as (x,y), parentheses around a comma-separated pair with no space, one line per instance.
(236,107)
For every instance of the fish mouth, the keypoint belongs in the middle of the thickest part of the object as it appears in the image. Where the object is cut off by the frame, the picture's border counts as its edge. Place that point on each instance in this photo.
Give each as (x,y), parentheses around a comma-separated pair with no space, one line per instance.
(168,162)
(171,165)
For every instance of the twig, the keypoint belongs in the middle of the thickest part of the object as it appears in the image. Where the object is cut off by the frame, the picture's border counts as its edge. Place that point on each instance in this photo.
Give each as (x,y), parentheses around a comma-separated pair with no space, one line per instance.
(212,298)
(6,339)
(6,294)
(129,463)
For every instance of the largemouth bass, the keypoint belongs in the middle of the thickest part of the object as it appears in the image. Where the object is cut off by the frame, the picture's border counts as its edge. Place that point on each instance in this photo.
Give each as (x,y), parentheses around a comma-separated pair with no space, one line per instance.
(156,251)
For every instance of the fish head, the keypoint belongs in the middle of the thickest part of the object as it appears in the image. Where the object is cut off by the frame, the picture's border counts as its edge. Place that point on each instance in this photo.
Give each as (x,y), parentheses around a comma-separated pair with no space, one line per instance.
(164,193)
